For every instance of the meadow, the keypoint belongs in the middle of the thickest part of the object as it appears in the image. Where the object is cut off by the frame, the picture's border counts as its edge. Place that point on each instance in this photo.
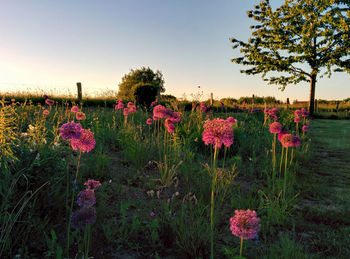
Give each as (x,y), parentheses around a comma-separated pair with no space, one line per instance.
(174,181)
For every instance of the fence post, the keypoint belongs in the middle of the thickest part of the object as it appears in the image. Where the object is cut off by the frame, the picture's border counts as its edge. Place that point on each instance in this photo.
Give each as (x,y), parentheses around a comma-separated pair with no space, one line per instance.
(211,99)
(253,101)
(338,105)
(80,96)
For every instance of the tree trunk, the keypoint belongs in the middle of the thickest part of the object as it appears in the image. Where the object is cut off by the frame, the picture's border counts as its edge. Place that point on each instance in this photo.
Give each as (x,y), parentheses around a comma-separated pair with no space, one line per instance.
(312,94)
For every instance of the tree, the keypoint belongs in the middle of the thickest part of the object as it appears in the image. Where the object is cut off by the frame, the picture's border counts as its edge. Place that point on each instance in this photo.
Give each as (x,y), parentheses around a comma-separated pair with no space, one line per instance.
(312,32)
(142,75)
(145,94)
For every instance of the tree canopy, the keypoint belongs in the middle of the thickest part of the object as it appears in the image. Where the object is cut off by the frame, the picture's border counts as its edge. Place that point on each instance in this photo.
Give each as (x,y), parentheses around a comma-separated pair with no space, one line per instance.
(315,33)
(135,77)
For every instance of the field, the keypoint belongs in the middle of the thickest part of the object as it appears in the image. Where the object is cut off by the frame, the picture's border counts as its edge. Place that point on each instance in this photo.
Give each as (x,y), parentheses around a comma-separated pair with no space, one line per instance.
(169,187)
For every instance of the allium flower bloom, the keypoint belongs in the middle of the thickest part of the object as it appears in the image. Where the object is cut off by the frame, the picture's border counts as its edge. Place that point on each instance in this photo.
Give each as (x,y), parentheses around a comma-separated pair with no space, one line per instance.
(267,111)
(71,130)
(245,224)
(296,141)
(176,117)
(86,198)
(46,112)
(126,111)
(159,112)
(275,127)
(273,111)
(304,113)
(74,109)
(218,132)
(149,121)
(305,128)
(297,112)
(203,107)
(130,104)
(120,105)
(132,109)
(80,116)
(85,143)
(231,120)
(287,140)
(49,102)
(280,135)
(297,119)
(83,217)
(92,184)
(155,118)
(169,125)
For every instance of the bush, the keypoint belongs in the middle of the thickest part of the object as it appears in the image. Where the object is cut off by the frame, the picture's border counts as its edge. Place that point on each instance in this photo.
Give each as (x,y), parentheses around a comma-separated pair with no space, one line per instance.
(145,94)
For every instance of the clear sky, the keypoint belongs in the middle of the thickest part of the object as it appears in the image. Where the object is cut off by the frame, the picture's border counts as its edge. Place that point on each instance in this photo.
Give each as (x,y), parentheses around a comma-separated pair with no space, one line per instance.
(54,44)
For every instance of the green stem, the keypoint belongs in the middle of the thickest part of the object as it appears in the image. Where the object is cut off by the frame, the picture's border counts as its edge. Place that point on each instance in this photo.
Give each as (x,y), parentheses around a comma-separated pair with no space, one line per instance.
(285,174)
(281,162)
(240,250)
(212,205)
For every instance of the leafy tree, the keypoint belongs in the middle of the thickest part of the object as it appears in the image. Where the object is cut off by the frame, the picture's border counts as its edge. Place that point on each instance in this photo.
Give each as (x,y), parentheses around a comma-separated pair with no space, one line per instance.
(312,32)
(145,94)
(142,75)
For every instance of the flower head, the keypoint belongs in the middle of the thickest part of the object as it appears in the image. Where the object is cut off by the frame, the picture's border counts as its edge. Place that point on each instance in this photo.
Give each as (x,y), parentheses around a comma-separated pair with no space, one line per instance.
(280,135)
(71,130)
(83,217)
(92,184)
(275,127)
(175,117)
(218,132)
(297,119)
(80,116)
(305,128)
(149,121)
(86,198)
(231,120)
(287,140)
(85,143)
(245,224)
(74,109)
(46,112)
(49,102)
(126,111)
(169,124)
(159,112)
(297,112)
(296,141)
(304,113)
(273,111)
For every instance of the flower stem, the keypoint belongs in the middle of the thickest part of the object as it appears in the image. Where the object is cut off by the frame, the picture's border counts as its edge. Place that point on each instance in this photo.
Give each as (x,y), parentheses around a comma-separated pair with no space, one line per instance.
(212,205)
(240,250)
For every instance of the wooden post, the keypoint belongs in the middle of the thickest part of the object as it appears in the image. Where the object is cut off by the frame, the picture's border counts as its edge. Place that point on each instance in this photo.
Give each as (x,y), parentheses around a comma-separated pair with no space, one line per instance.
(287,102)
(338,105)
(253,101)
(80,96)
(211,99)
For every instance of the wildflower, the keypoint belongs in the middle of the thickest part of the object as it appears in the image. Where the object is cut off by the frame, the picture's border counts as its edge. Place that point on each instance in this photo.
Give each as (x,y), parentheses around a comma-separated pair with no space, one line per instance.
(92,184)
(297,119)
(280,135)
(169,125)
(46,112)
(287,140)
(132,109)
(245,224)
(86,198)
(159,112)
(273,111)
(152,214)
(231,120)
(275,127)
(304,113)
(83,217)
(176,117)
(74,109)
(305,128)
(130,104)
(296,141)
(85,143)
(126,111)
(218,132)
(49,102)
(71,130)
(297,112)
(80,116)
(149,121)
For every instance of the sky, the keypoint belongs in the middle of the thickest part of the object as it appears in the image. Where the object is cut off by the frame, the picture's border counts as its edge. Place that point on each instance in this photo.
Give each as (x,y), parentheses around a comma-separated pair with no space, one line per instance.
(54,44)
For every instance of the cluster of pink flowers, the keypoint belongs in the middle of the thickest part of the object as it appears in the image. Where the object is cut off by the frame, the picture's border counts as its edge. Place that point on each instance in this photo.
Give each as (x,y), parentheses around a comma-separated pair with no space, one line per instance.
(271,113)
(79,138)
(119,105)
(275,127)
(245,224)
(86,200)
(168,114)
(74,109)
(131,108)
(203,107)
(217,132)
(303,113)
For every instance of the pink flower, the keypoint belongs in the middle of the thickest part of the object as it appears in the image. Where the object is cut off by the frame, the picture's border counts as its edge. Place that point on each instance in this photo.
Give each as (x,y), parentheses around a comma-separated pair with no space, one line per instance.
(176,117)
(155,117)
(86,198)
(231,120)
(85,143)
(169,125)
(304,113)
(80,116)
(71,130)
(49,102)
(152,214)
(280,135)
(92,184)
(274,117)
(275,127)
(297,112)
(245,224)
(132,109)
(159,112)
(74,109)
(149,121)
(297,119)
(130,104)
(13,100)
(273,111)
(296,141)
(218,132)
(153,103)
(126,111)
(46,112)
(287,140)
(120,105)
(305,128)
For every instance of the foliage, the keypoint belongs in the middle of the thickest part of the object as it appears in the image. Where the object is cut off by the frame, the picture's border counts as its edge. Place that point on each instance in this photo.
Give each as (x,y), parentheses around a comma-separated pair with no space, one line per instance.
(299,32)
(145,94)
(142,75)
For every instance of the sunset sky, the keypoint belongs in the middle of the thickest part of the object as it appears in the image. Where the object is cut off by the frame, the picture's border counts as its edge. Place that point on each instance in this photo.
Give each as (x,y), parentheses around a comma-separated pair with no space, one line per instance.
(54,44)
